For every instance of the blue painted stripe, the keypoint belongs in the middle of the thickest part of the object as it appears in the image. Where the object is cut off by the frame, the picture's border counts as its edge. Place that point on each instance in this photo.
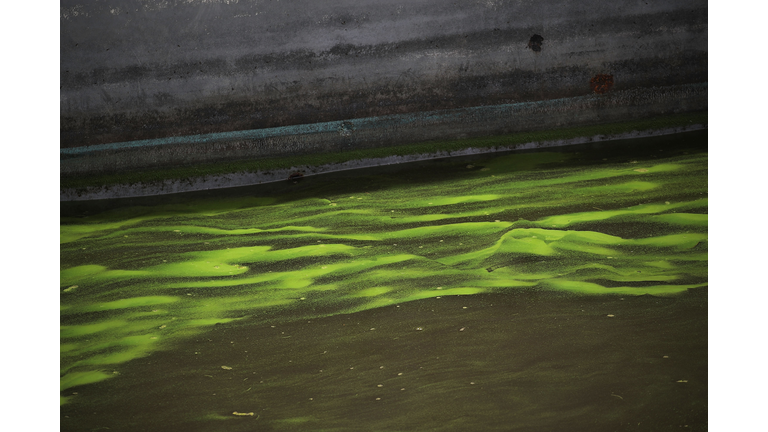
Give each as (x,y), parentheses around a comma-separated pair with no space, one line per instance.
(395,120)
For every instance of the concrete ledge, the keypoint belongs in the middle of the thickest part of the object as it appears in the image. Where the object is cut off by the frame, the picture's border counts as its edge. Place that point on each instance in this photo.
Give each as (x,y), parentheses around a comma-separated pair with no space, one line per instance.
(260,177)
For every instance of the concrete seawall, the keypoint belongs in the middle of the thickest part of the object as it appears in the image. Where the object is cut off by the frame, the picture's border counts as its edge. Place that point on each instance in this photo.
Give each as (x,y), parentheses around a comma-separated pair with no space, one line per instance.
(151,70)
(250,178)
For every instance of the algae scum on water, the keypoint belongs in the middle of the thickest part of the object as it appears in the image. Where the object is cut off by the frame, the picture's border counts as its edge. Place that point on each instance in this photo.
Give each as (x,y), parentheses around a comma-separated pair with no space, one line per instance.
(144,279)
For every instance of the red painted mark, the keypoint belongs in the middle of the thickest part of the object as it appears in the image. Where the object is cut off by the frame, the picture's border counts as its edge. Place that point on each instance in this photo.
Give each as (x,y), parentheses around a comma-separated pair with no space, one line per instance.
(601,83)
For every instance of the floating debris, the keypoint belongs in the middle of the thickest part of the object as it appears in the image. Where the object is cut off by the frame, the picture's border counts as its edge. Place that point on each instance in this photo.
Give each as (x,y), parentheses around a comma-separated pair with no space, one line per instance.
(242,414)
(226,368)
(72,288)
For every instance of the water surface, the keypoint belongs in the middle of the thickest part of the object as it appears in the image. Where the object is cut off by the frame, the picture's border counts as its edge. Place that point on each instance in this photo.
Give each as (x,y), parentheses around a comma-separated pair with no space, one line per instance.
(559,290)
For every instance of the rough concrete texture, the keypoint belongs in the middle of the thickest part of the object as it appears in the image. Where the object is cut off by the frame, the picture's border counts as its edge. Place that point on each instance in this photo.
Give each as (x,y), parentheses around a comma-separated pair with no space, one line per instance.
(356,134)
(138,70)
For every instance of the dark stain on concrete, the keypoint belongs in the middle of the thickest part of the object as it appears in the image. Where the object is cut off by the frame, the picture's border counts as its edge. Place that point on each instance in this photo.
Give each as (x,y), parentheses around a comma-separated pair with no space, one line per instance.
(535,43)
(296,176)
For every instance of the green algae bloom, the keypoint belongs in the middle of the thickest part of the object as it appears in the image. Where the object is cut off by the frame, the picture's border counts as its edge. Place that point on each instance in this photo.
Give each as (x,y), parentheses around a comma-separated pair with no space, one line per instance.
(149,277)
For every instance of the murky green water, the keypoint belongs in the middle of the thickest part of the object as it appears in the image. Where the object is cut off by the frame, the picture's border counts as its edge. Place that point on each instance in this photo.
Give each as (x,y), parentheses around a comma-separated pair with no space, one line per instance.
(561,290)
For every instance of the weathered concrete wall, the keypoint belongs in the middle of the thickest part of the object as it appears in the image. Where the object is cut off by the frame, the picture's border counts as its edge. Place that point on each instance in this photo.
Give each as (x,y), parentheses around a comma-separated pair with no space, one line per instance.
(137,70)
(384,131)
